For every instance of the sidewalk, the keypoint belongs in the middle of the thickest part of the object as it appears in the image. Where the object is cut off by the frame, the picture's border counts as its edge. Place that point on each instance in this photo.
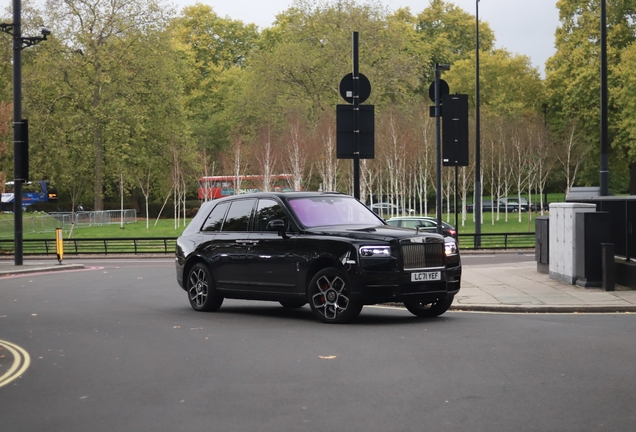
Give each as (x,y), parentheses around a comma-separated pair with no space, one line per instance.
(519,287)
(516,287)
(7,266)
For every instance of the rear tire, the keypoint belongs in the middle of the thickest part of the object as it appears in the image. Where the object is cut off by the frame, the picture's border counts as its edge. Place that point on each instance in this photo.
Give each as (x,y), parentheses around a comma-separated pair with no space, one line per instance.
(202,289)
(330,297)
(429,310)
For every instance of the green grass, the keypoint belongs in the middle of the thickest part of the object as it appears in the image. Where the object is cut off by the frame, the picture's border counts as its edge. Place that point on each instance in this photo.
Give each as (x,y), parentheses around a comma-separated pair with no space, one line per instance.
(166,228)
(527,224)
(40,226)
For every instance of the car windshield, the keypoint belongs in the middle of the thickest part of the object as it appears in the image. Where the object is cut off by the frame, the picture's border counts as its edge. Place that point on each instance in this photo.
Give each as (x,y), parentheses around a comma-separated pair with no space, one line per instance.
(328,210)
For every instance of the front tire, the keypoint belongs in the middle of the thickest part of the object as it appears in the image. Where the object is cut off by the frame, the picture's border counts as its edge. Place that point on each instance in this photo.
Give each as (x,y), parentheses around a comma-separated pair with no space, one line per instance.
(330,297)
(202,289)
(429,310)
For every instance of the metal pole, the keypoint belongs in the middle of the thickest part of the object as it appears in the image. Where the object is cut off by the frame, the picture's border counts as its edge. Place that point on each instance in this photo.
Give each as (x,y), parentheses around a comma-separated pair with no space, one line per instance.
(356,118)
(477,205)
(17,120)
(604,174)
(438,158)
(455,205)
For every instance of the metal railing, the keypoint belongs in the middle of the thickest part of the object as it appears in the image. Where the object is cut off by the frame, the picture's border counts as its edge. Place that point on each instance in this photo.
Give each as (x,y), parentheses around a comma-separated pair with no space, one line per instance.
(95,246)
(513,240)
(92,218)
(49,222)
(167,245)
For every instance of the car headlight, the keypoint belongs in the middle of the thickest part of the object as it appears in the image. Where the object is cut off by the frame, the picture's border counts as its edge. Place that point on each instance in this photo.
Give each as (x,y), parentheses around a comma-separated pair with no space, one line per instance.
(450,247)
(375,251)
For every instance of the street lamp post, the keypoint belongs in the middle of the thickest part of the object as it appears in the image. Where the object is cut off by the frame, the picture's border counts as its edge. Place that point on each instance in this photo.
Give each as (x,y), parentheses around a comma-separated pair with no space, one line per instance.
(477,204)
(19,129)
(604,172)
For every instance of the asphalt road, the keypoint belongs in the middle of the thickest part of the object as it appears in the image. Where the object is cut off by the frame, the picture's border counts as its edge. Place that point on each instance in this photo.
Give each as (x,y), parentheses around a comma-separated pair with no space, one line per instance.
(117,348)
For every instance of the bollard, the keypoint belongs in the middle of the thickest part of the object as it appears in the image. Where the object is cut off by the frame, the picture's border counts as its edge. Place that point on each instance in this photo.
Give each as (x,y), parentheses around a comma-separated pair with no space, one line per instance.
(608,266)
(59,244)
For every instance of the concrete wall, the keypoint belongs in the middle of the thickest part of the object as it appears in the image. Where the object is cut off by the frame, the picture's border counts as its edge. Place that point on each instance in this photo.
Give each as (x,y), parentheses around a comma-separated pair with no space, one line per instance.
(563,239)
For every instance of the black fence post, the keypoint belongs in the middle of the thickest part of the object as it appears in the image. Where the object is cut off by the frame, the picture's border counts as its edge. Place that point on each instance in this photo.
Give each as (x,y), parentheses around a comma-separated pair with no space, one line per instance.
(609,279)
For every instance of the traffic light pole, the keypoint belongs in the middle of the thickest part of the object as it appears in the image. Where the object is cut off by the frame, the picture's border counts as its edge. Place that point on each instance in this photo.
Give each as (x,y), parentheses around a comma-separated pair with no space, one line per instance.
(356,116)
(17,138)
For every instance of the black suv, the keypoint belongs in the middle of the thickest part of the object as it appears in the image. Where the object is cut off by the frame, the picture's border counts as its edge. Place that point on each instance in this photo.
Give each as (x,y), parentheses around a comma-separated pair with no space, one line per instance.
(325,249)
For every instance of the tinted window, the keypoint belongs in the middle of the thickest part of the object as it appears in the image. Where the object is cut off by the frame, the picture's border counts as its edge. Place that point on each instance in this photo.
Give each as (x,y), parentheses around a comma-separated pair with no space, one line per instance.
(267,211)
(215,220)
(238,217)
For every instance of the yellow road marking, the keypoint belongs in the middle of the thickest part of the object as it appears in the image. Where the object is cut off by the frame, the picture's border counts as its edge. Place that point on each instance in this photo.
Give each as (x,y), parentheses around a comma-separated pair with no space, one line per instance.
(21,362)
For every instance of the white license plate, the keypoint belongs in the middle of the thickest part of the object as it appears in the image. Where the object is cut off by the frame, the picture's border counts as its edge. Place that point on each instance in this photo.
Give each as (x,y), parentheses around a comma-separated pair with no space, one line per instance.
(426,276)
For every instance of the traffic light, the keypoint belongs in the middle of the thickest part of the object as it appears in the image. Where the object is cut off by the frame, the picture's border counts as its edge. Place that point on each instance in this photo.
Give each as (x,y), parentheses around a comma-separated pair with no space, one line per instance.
(455,130)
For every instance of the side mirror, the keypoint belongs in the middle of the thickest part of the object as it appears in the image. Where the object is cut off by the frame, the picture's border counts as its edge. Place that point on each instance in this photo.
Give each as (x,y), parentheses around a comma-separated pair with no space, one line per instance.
(277,225)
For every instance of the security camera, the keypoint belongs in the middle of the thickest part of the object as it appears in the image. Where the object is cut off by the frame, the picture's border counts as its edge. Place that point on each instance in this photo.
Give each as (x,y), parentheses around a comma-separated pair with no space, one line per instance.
(45,32)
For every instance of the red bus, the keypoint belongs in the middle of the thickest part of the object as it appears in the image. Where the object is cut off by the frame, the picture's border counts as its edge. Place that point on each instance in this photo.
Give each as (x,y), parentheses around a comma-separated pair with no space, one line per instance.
(212,187)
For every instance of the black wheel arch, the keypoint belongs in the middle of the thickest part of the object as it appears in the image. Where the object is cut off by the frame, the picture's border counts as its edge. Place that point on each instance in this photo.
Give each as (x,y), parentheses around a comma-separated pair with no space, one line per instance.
(320,264)
(191,262)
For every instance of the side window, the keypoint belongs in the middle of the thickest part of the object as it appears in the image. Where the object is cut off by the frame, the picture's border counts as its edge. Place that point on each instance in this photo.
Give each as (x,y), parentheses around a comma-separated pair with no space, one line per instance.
(428,224)
(267,211)
(215,219)
(410,224)
(238,217)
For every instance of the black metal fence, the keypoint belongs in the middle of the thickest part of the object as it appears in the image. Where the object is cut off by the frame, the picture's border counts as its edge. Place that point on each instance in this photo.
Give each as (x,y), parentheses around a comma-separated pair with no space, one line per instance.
(514,240)
(166,245)
(101,246)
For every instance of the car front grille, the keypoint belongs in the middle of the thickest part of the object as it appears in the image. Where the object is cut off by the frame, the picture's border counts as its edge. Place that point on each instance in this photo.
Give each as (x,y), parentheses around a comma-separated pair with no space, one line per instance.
(418,256)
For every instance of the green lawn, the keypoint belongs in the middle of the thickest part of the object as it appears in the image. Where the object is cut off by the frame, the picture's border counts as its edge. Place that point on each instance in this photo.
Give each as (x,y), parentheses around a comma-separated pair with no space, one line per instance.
(527,223)
(41,226)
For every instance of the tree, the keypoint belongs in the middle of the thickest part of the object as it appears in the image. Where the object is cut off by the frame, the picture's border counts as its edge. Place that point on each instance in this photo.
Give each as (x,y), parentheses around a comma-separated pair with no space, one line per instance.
(215,52)
(626,101)
(573,80)
(304,55)
(509,84)
(449,34)
(101,42)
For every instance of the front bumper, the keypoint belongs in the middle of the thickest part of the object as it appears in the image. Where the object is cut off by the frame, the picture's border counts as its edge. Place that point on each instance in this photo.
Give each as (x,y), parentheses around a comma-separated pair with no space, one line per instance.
(384,287)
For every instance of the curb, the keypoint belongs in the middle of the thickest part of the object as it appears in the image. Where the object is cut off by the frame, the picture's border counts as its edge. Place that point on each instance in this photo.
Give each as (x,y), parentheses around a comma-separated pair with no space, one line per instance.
(529,309)
(534,309)
(60,267)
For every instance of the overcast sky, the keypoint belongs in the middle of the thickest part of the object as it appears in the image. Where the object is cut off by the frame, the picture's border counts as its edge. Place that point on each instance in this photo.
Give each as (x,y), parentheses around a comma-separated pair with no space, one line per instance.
(521,26)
